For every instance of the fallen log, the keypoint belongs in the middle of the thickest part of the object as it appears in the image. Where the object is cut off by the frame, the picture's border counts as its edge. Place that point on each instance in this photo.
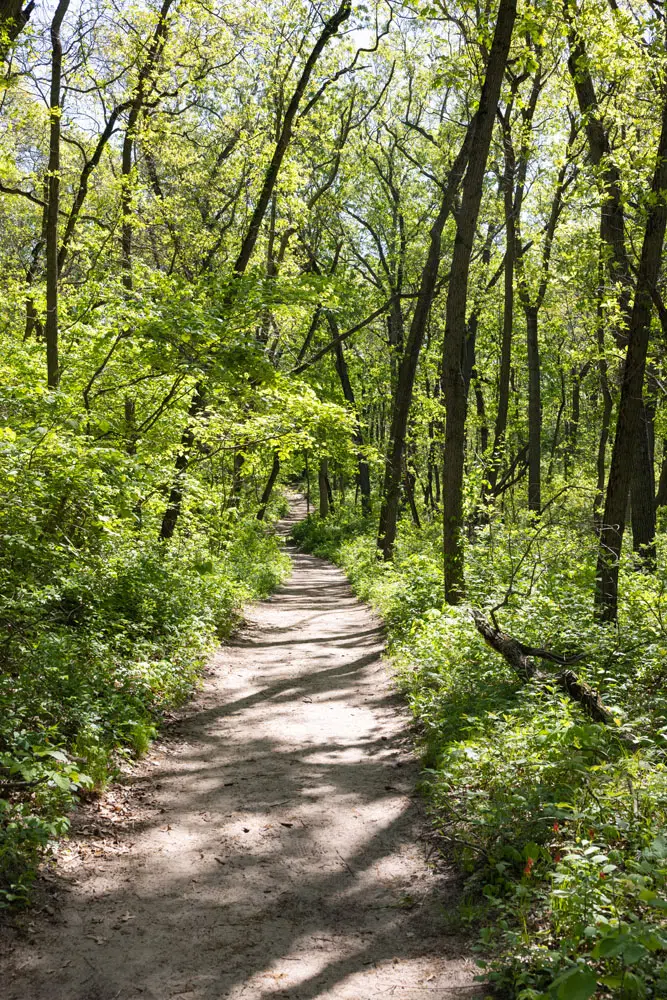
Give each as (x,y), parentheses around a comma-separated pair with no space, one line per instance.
(522,658)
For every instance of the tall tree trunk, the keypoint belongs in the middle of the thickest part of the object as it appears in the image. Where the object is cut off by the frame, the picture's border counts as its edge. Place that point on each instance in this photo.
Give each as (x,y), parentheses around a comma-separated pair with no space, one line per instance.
(628,422)
(455,326)
(53,200)
(407,369)
(285,136)
(534,410)
(508,318)
(612,235)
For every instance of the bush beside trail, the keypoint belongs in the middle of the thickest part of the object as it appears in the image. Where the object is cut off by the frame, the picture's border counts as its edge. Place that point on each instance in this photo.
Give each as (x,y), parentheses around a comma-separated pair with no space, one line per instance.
(102,635)
(557,825)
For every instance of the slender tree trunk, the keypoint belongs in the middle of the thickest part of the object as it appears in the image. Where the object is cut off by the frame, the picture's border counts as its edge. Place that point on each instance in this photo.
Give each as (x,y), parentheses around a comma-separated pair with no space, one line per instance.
(323,486)
(630,406)
(607,406)
(661,495)
(268,489)
(410,358)
(141,92)
(642,492)
(284,138)
(237,478)
(53,200)
(173,511)
(410,493)
(455,327)
(363,470)
(130,412)
(572,424)
(534,411)
(508,318)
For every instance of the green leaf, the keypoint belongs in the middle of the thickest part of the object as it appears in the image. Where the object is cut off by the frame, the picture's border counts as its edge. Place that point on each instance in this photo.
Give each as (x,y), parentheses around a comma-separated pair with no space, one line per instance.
(575,984)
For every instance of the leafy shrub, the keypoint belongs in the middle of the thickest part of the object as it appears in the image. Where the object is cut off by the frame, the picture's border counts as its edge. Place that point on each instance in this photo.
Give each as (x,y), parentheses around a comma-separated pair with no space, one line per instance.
(557,823)
(93,658)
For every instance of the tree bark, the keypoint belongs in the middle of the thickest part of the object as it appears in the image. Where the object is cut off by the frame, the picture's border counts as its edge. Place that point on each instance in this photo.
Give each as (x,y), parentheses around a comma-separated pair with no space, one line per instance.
(642,492)
(534,410)
(661,495)
(13,19)
(268,489)
(455,326)
(144,84)
(323,486)
(631,402)
(612,235)
(508,317)
(407,368)
(173,511)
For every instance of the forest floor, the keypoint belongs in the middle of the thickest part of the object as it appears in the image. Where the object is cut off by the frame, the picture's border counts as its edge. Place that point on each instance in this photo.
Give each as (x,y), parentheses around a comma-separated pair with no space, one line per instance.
(270,845)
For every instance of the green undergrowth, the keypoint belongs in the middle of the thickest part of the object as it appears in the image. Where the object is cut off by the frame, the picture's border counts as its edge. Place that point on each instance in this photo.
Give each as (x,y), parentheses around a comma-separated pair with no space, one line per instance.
(97,645)
(558,824)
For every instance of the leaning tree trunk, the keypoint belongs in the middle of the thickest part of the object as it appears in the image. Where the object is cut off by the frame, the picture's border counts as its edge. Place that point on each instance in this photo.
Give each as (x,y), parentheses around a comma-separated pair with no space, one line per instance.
(407,369)
(642,492)
(13,19)
(455,326)
(268,489)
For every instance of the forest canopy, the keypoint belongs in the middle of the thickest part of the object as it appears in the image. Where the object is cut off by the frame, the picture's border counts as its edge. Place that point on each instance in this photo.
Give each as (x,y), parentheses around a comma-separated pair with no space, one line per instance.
(409,258)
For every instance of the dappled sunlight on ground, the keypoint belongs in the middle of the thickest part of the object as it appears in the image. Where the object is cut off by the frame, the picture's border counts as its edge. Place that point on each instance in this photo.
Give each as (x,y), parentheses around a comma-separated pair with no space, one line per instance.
(276,853)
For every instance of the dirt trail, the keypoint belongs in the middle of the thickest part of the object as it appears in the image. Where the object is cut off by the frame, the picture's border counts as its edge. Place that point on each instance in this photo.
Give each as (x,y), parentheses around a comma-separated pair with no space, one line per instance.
(269,847)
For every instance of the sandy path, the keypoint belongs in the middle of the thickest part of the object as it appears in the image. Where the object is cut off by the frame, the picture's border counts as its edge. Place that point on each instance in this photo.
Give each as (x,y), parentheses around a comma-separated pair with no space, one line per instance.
(269,847)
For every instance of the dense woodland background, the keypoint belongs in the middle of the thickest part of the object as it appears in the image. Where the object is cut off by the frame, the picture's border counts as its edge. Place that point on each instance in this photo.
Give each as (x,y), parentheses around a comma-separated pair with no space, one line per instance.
(408,258)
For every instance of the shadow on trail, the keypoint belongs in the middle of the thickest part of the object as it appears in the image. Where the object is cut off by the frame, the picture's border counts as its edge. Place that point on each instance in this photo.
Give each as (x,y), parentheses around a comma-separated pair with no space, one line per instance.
(281,856)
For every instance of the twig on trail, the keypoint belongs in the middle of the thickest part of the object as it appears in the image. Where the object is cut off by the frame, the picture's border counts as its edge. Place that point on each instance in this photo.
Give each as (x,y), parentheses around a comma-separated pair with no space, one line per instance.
(345,862)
